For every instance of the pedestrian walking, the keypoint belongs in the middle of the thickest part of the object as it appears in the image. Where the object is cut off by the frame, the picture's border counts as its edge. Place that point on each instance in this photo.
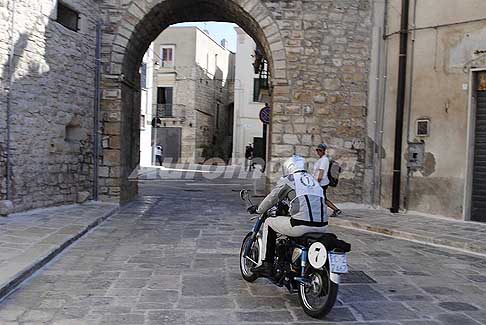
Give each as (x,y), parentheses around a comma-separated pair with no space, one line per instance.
(158,154)
(249,151)
(321,171)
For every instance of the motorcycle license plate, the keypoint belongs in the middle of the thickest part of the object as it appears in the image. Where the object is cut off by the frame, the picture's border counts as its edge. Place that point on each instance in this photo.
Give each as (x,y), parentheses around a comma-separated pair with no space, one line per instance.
(338,262)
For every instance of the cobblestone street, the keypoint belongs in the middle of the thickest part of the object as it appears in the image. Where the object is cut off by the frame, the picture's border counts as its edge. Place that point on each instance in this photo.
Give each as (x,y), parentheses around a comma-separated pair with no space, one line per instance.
(171,257)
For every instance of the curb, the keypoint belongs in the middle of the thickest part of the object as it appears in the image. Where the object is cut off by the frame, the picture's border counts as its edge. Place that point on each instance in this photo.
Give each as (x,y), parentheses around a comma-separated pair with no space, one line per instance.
(24,274)
(463,246)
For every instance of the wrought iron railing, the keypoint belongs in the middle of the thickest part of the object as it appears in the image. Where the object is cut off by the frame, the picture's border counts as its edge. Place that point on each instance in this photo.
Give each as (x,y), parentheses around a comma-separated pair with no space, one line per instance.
(165,110)
(169,111)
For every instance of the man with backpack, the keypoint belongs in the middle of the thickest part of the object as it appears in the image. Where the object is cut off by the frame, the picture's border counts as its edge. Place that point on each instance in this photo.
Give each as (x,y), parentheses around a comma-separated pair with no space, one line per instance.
(322,169)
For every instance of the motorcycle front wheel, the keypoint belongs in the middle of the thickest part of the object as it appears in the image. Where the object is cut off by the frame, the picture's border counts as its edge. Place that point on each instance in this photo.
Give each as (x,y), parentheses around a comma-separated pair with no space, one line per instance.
(319,296)
(246,263)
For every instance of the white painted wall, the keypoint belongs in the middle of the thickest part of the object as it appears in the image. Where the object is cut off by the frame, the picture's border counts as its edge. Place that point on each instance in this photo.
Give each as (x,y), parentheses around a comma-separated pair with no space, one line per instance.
(206,51)
(440,59)
(247,124)
(146,109)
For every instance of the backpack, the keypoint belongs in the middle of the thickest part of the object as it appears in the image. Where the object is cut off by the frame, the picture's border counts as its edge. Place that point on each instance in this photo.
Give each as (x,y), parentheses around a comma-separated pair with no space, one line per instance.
(333,172)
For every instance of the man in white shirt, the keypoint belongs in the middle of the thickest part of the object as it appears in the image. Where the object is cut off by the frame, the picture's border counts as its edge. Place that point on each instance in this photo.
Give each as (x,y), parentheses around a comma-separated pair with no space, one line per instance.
(321,169)
(158,154)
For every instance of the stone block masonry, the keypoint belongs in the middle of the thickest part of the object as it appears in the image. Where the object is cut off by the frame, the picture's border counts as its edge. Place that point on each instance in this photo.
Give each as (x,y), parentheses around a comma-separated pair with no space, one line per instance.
(327,53)
(318,54)
(51,101)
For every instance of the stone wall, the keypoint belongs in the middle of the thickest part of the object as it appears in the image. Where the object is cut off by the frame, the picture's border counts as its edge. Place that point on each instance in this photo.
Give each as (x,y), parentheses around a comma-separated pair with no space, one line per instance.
(209,92)
(318,53)
(51,102)
(327,51)
(440,60)
(5,21)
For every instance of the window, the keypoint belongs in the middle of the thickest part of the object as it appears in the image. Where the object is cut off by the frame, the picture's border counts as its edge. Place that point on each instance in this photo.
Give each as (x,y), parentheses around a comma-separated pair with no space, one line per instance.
(143,75)
(67,17)
(167,55)
(164,101)
(256,89)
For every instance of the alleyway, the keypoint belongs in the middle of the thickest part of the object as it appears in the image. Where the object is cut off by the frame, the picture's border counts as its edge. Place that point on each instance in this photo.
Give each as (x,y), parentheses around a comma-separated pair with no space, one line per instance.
(171,257)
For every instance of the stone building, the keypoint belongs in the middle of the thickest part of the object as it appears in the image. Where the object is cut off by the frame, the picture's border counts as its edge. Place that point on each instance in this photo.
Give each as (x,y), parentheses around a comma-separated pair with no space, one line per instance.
(247,124)
(47,100)
(146,93)
(62,141)
(443,165)
(191,99)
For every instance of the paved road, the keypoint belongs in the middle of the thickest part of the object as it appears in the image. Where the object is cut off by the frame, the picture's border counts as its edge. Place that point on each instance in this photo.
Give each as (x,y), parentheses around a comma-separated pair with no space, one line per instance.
(171,257)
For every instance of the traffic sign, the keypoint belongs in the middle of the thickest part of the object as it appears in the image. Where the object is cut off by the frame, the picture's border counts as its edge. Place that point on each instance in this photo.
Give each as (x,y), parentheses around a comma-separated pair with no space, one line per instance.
(265,115)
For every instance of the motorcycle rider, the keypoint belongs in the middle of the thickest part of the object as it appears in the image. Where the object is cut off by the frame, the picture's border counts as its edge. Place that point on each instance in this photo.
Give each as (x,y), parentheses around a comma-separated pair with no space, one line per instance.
(305,198)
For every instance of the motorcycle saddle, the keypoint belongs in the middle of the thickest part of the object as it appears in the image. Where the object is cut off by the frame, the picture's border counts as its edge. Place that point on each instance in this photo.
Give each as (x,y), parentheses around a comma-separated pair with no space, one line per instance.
(318,235)
(329,240)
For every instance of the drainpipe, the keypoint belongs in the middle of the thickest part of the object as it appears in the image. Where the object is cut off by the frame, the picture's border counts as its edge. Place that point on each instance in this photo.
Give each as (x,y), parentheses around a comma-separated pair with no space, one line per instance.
(9,99)
(401,88)
(406,198)
(96,111)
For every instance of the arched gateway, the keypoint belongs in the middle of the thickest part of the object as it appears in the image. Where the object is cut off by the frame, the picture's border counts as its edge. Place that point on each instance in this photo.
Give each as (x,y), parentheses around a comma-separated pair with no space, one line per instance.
(318,53)
(139,25)
(318,58)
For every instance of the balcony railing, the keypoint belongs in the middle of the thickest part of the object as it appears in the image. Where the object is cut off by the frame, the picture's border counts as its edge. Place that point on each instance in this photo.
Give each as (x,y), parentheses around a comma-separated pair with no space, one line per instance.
(165,110)
(167,64)
(169,111)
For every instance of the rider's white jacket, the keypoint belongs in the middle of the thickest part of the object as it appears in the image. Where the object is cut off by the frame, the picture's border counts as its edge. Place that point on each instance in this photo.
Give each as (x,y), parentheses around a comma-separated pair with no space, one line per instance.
(304,195)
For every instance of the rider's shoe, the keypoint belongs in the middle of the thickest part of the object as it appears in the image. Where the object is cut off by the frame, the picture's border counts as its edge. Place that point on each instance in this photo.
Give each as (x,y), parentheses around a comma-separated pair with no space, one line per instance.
(336,213)
(264,270)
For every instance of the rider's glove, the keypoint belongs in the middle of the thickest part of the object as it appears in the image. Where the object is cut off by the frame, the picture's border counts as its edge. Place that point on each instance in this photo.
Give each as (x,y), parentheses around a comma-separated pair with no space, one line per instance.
(252,210)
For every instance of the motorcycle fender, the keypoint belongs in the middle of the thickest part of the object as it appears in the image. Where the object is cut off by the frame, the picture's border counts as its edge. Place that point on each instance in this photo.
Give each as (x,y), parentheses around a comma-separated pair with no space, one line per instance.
(335,278)
(260,245)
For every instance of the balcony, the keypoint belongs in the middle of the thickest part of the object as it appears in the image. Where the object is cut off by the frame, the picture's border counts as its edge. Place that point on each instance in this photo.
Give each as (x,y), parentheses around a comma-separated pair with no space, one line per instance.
(167,111)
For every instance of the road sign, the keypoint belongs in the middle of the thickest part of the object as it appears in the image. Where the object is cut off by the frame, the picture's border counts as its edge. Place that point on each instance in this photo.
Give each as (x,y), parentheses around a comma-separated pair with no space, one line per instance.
(265,115)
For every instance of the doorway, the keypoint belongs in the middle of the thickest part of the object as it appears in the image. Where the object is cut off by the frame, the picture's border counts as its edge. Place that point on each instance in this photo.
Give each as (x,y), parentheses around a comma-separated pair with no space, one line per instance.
(478,204)
(170,140)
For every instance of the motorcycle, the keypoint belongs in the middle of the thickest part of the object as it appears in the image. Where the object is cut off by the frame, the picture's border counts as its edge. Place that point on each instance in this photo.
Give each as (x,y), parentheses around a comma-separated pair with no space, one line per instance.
(309,265)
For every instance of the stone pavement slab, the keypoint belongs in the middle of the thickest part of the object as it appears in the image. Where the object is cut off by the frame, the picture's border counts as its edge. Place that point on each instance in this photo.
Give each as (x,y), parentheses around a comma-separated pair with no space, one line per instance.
(30,239)
(466,236)
(171,257)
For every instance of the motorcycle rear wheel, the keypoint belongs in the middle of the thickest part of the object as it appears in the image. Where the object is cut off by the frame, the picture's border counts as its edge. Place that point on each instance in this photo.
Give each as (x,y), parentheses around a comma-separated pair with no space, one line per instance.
(318,299)
(246,264)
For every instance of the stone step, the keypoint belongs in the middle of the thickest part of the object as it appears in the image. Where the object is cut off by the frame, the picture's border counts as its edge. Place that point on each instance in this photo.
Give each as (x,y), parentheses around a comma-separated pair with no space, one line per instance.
(465,236)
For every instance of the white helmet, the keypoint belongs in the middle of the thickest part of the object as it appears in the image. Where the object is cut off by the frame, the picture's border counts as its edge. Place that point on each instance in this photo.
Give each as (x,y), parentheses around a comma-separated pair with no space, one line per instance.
(293,165)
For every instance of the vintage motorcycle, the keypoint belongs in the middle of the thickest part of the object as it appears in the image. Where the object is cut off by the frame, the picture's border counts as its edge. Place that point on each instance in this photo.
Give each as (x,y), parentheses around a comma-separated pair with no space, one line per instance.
(310,265)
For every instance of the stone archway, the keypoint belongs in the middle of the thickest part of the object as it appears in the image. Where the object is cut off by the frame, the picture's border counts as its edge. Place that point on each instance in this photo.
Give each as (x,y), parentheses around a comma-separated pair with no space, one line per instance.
(140,25)
(318,56)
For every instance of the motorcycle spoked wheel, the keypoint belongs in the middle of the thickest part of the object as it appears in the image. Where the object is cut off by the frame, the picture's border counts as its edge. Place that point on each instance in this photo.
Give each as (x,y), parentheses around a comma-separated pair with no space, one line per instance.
(318,298)
(246,264)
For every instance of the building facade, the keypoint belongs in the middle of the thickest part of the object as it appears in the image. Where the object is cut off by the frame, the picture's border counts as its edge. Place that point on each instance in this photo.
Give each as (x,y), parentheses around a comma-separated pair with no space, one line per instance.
(63,134)
(146,93)
(192,96)
(247,125)
(443,162)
